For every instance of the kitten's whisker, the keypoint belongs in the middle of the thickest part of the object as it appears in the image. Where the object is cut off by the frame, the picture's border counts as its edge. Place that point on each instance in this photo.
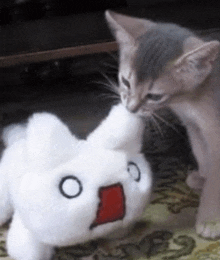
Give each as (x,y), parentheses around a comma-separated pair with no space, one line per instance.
(112,90)
(157,125)
(107,86)
(114,56)
(112,84)
(168,124)
(110,81)
(110,65)
(108,96)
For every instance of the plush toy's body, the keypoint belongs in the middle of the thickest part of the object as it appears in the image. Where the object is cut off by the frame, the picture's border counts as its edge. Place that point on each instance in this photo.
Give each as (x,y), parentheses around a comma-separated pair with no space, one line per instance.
(62,191)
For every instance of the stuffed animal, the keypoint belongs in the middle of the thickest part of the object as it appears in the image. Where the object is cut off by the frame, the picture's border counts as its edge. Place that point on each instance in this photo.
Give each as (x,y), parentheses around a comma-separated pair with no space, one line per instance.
(62,191)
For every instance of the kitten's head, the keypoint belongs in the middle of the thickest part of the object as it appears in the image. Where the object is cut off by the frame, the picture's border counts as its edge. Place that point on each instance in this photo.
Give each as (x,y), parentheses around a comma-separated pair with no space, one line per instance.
(159,62)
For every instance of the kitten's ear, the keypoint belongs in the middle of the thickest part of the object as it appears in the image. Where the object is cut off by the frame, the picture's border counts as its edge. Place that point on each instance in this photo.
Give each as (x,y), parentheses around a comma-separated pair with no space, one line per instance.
(193,67)
(126,28)
(48,142)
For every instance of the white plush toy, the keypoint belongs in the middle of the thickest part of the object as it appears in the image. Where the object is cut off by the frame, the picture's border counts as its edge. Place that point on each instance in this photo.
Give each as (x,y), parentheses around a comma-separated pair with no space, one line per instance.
(62,191)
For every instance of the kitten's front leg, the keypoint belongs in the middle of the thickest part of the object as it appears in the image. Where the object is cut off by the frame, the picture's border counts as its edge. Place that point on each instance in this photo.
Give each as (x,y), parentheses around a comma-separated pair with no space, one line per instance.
(22,245)
(194,178)
(208,218)
(195,181)
(208,179)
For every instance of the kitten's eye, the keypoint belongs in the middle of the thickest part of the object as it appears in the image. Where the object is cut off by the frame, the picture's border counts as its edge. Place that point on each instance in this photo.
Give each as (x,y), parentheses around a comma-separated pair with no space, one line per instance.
(125,82)
(154,97)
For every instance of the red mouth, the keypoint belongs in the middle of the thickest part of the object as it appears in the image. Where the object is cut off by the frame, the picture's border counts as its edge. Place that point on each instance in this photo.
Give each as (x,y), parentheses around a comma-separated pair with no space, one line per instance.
(111,206)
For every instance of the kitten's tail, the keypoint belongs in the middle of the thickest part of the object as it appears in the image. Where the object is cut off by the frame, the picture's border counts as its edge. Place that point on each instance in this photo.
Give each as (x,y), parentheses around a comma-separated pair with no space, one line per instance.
(13,133)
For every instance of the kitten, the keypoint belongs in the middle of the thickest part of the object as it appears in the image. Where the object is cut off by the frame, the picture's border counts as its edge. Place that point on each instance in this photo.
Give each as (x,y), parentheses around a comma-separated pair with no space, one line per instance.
(167,66)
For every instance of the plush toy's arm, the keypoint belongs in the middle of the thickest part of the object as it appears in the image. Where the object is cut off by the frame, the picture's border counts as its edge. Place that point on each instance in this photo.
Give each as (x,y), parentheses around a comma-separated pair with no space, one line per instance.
(10,135)
(6,209)
(121,129)
(22,244)
(13,133)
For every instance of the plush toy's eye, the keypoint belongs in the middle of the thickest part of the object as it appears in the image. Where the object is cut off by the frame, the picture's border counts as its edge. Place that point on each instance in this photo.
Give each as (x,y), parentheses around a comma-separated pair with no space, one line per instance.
(70,187)
(134,171)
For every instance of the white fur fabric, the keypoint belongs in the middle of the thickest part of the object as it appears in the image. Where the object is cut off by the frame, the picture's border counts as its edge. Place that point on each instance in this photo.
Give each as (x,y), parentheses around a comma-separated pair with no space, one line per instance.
(55,186)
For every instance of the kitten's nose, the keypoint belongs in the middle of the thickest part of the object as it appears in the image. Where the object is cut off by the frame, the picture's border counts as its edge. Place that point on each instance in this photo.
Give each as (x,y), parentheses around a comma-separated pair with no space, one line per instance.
(133,105)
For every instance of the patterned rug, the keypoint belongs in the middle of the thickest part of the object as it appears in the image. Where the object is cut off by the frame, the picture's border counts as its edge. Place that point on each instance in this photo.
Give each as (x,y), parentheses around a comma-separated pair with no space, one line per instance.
(167,227)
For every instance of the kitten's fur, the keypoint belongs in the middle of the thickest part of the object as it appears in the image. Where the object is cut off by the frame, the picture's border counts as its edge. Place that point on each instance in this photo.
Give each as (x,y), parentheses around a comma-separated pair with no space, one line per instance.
(165,65)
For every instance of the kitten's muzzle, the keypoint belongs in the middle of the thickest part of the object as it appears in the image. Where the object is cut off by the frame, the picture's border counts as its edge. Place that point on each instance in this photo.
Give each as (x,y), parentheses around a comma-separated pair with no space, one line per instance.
(133,105)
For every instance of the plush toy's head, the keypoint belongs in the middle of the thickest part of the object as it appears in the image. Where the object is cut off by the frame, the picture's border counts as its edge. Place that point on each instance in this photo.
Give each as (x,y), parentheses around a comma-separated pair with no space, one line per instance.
(76,190)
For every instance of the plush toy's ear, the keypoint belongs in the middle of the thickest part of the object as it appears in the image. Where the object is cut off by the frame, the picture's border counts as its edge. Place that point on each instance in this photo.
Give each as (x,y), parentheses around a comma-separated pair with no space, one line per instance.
(121,130)
(49,141)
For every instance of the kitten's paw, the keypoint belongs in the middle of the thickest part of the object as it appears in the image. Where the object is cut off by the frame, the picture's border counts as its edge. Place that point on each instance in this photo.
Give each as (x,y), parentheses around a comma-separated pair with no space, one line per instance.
(195,181)
(209,229)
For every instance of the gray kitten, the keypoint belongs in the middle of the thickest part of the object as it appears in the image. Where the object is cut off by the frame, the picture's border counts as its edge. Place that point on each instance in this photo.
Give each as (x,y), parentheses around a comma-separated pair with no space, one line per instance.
(165,65)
